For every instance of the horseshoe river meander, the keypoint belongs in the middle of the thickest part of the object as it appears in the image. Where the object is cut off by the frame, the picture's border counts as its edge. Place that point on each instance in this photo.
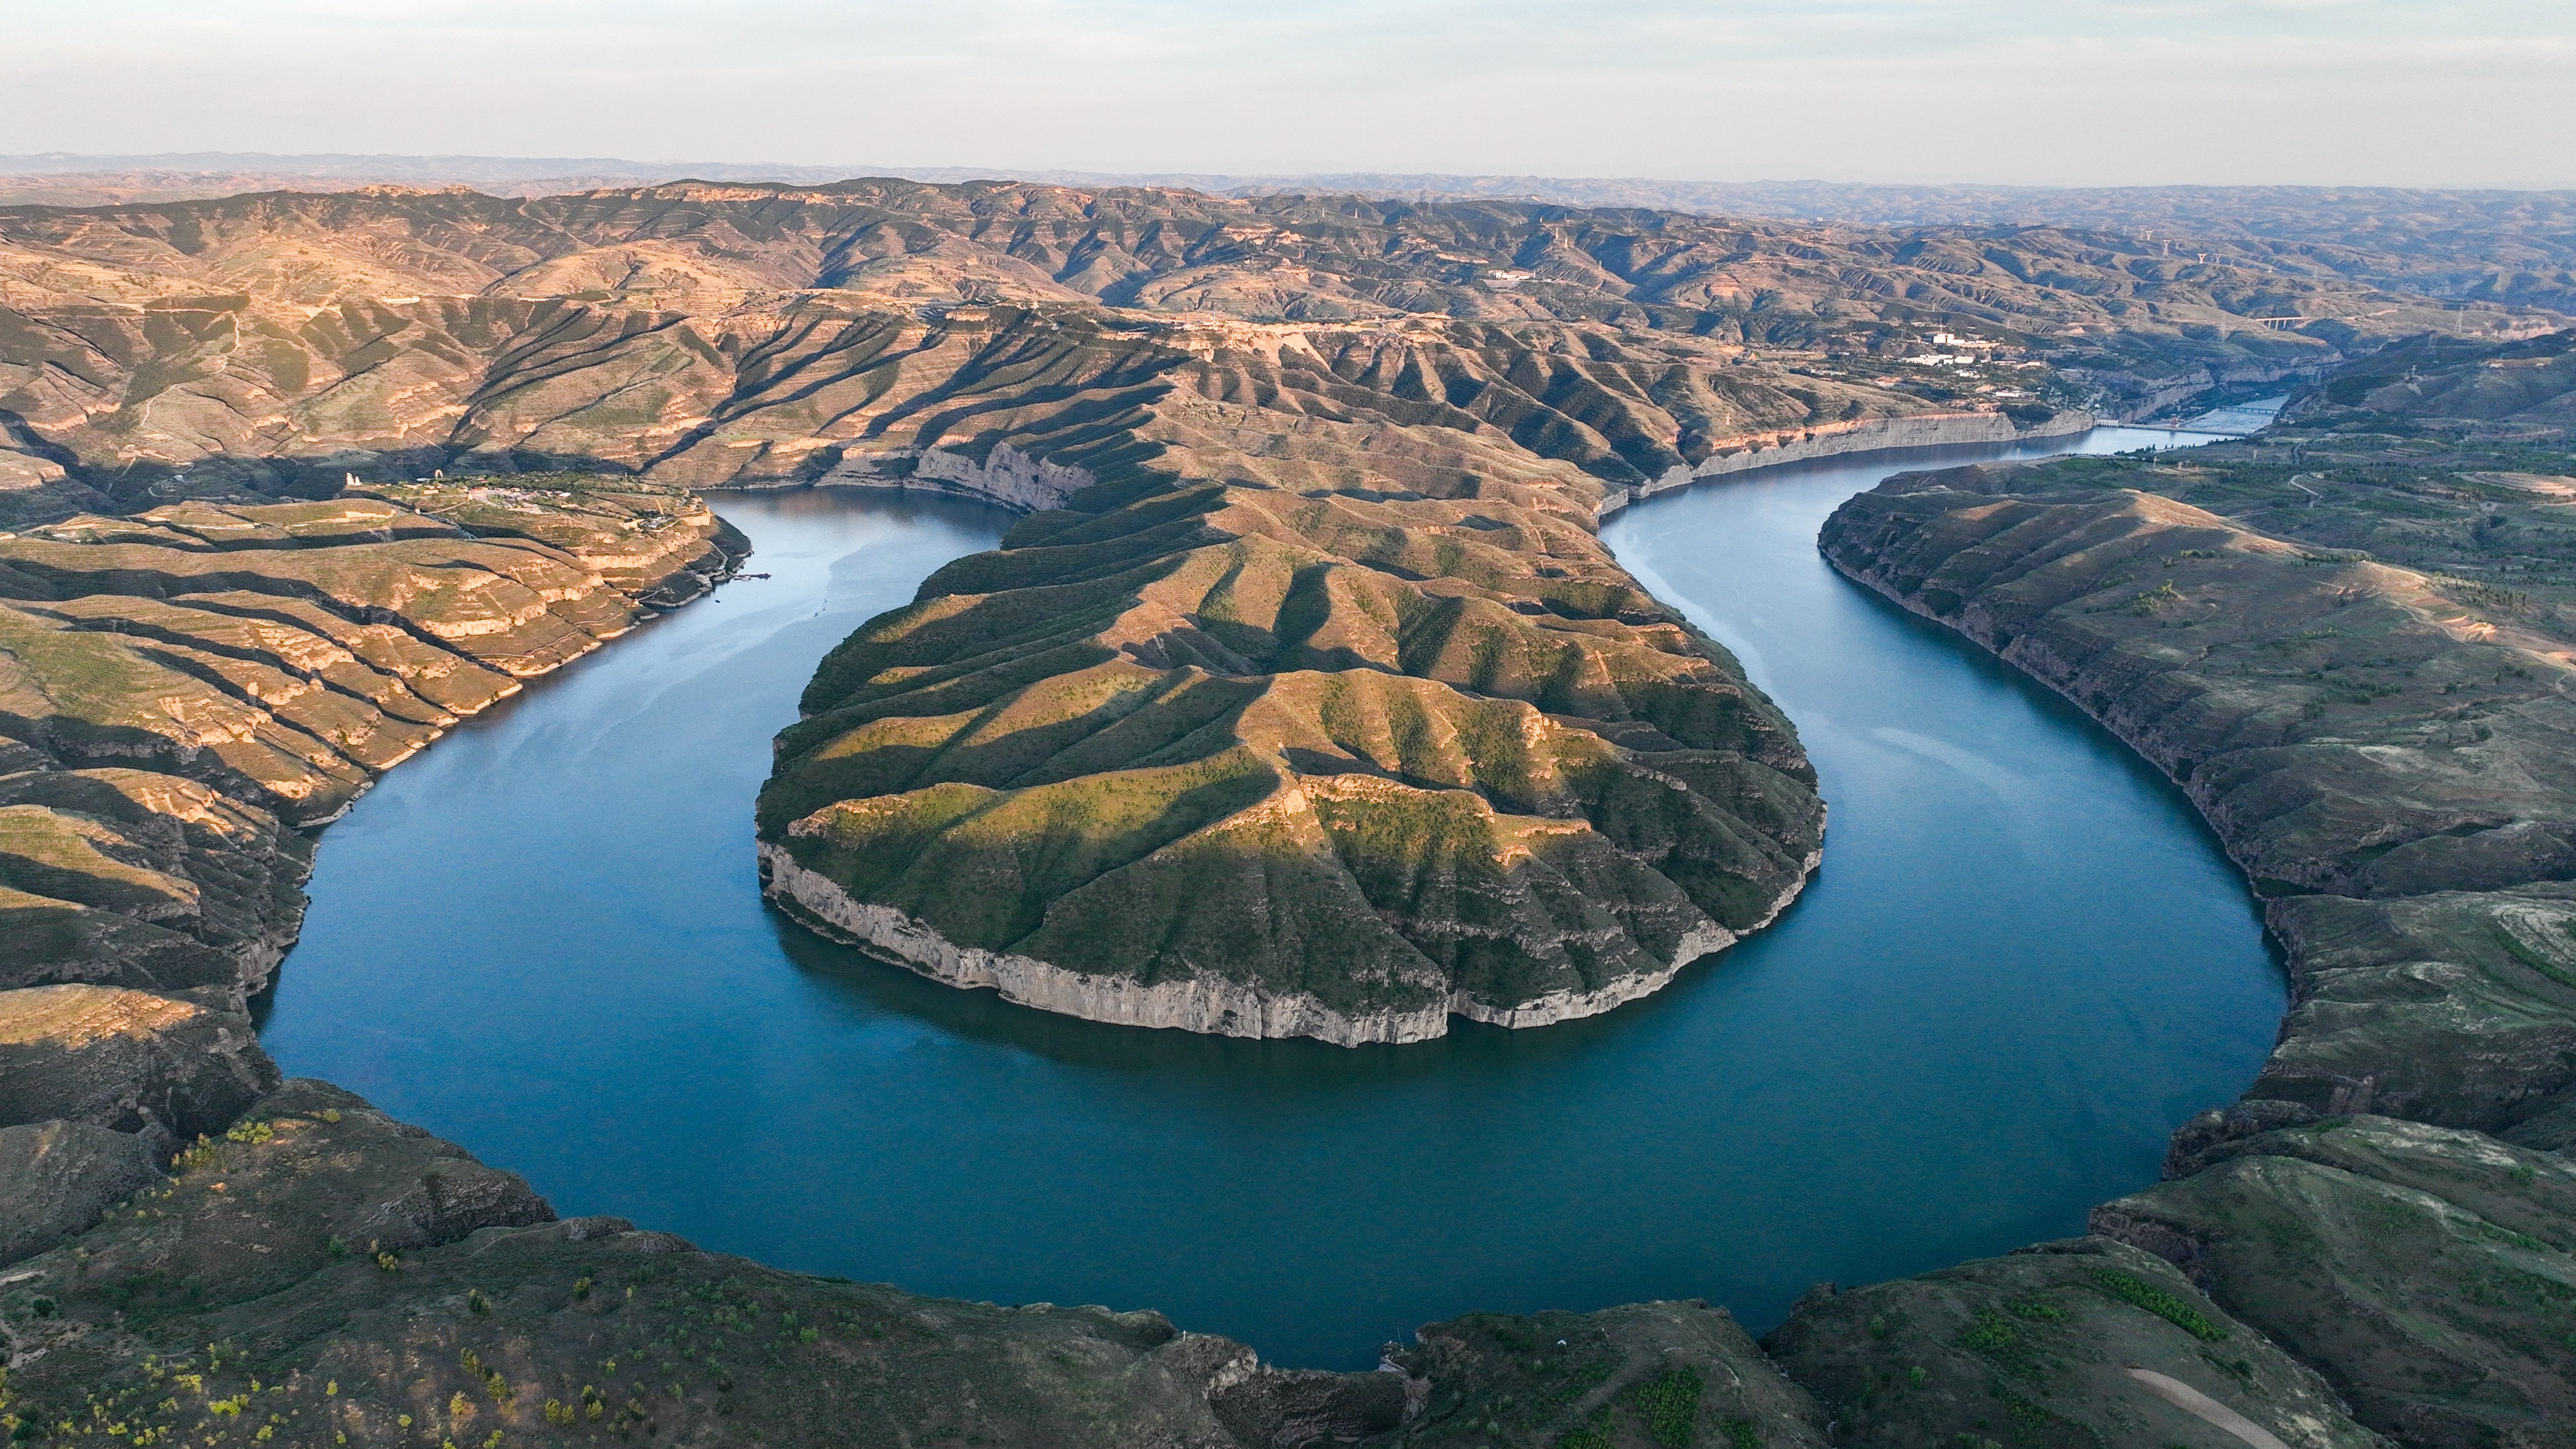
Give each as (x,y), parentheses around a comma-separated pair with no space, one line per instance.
(2024,962)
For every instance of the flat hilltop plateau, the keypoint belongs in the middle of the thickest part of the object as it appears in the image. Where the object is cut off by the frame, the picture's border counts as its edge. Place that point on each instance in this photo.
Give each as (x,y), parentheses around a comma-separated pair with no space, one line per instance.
(1302,700)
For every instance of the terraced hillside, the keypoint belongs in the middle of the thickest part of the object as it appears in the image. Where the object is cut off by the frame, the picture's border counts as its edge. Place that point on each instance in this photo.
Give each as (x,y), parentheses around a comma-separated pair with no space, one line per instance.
(183,690)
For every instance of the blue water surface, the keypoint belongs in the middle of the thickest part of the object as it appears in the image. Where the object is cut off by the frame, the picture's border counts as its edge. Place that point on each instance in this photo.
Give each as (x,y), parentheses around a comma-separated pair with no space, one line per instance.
(2023,963)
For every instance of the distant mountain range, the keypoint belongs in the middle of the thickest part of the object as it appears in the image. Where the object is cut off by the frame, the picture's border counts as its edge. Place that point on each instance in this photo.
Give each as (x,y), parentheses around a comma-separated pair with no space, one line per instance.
(2197,210)
(2516,247)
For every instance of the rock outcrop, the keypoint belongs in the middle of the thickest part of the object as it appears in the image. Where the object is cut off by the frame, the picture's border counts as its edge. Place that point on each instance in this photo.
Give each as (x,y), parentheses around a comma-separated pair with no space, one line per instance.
(59,1178)
(1835,440)
(129,1061)
(1004,475)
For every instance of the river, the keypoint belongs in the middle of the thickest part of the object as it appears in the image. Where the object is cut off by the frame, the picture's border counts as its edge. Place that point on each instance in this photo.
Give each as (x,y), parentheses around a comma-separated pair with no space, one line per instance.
(2023,963)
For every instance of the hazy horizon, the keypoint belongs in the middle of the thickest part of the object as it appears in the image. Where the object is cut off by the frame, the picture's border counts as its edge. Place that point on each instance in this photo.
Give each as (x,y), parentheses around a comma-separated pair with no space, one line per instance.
(1914,92)
(428,170)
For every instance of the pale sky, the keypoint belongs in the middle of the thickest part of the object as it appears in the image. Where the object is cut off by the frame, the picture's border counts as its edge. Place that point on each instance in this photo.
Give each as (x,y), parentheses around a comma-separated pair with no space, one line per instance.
(2031,91)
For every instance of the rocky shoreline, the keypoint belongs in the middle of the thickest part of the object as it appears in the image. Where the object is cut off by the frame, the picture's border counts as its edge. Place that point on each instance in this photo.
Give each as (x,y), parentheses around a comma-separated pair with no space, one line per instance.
(1201,1004)
(1835,440)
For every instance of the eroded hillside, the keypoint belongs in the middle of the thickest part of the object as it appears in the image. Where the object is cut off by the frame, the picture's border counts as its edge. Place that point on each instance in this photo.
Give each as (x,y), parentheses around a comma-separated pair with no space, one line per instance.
(185,688)
(702,333)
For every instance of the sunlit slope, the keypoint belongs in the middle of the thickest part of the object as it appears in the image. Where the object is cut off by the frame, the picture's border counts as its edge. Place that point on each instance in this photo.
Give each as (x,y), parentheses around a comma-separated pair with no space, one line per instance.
(702,333)
(1298,257)
(181,687)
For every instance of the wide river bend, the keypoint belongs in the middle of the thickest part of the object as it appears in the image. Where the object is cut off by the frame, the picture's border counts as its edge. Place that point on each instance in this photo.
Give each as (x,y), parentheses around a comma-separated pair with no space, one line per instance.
(2024,962)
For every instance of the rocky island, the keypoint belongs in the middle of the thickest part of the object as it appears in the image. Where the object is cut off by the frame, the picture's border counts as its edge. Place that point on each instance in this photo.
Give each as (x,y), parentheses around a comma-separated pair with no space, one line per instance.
(1303,700)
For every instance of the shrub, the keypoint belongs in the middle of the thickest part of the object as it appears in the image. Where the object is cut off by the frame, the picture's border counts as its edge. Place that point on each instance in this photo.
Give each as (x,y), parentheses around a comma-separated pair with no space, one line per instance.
(1989,1334)
(2026,1413)
(2139,1293)
(1670,1405)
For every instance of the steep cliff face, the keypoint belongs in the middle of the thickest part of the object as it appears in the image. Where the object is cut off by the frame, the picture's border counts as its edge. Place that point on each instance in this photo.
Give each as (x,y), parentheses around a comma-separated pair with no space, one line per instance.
(1004,475)
(1834,440)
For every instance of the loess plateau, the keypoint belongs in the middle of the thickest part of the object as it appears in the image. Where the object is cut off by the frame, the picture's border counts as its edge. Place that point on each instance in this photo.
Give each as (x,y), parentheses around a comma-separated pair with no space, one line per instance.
(1304,700)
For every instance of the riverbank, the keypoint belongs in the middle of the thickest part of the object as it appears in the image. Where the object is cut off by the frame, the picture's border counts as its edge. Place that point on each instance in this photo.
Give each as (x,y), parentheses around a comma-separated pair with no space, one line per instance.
(1870,436)
(2381,749)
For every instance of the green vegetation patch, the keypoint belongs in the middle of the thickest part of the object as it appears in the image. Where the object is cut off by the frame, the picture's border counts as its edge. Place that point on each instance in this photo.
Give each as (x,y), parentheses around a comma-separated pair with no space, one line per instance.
(2139,1293)
(1670,1406)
